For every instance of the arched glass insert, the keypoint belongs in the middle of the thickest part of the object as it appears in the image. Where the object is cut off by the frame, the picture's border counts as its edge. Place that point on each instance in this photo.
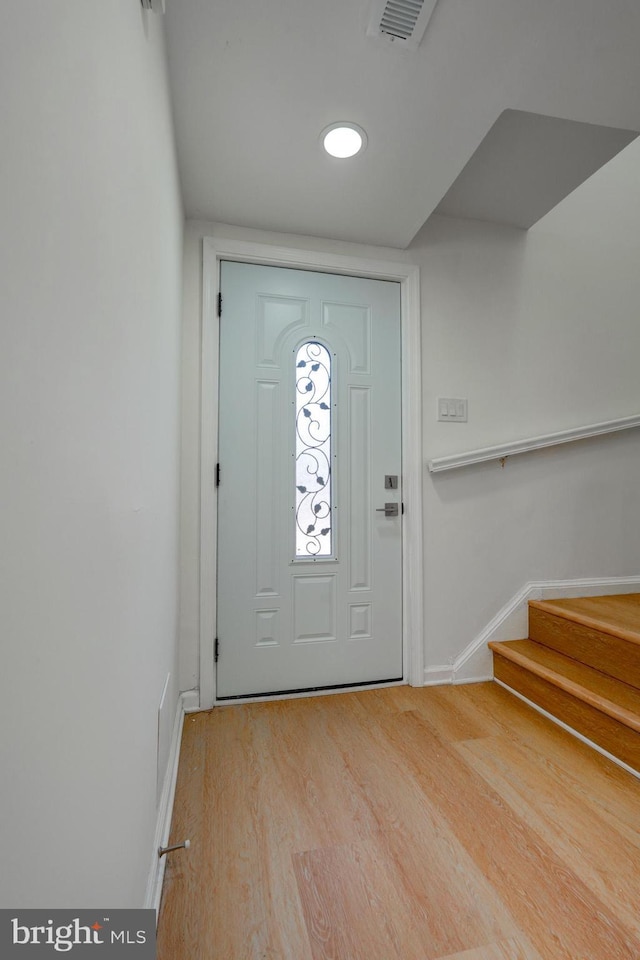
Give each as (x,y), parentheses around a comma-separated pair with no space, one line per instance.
(313,451)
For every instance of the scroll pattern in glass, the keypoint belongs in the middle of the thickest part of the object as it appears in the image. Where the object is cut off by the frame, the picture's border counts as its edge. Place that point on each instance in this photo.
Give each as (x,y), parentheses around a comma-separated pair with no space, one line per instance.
(313,451)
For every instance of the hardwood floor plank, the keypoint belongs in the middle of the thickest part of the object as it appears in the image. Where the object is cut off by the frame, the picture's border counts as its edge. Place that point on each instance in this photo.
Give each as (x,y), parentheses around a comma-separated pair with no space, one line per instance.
(595,780)
(387,700)
(516,948)
(306,786)
(238,903)
(586,842)
(550,903)
(453,715)
(351,909)
(398,825)
(440,882)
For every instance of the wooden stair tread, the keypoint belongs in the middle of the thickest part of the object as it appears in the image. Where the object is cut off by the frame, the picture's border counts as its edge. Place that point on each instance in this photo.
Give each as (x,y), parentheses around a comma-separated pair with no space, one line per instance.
(617,615)
(613,697)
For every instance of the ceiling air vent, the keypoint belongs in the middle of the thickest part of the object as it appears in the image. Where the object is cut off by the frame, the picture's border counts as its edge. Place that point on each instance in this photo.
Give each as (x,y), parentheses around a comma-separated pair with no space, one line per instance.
(402,22)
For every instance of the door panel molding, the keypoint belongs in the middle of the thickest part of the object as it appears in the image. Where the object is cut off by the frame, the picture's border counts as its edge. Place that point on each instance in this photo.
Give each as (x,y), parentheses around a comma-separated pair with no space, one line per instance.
(213,251)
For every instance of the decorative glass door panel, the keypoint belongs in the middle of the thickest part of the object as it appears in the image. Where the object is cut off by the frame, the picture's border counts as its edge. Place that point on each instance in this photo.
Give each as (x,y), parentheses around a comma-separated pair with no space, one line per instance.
(314,508)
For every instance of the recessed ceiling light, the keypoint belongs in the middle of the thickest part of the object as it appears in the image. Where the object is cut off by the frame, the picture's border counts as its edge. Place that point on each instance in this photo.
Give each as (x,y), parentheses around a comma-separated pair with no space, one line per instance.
(343,140)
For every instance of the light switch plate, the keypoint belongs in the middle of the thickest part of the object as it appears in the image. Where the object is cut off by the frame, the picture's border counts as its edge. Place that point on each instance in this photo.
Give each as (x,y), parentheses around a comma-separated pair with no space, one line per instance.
(452,409)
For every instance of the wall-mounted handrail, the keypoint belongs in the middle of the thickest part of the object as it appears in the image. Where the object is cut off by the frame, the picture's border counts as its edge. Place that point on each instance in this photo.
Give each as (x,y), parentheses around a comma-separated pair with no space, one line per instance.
(504,450)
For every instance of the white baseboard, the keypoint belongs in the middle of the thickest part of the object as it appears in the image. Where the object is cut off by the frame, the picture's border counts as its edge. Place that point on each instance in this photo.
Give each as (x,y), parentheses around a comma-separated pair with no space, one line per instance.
(434,676)
(190,701)
(439,675)
(511,622)
(476,678)
(165,808)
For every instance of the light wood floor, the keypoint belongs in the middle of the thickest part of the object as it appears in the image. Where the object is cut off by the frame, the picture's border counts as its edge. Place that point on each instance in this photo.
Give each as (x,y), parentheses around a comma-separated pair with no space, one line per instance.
(400,824)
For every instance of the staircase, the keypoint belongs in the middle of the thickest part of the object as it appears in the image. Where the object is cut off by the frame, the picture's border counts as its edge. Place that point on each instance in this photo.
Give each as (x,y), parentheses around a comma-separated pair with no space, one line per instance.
(581,663)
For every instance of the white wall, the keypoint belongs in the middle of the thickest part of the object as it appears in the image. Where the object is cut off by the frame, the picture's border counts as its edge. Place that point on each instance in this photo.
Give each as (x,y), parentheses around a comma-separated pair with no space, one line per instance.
(539,331)
(90,259)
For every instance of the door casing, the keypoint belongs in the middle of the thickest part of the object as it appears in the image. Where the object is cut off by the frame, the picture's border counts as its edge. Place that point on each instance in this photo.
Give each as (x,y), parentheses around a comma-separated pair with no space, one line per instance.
(216,249)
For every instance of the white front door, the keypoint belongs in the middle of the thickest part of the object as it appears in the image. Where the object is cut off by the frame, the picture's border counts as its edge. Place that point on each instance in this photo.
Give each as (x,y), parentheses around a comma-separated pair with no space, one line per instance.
(309,563)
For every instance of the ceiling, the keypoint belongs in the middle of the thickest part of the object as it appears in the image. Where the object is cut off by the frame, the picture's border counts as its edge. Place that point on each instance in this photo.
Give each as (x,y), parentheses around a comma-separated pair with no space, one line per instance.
(254,82)
(527,164)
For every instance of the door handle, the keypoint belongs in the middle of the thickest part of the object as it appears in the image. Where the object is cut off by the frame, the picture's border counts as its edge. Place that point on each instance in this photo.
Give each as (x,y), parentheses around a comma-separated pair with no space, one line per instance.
(389,510)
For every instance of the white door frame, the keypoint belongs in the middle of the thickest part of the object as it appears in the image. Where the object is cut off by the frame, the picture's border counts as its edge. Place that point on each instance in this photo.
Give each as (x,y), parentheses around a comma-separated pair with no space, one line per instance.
(216,249)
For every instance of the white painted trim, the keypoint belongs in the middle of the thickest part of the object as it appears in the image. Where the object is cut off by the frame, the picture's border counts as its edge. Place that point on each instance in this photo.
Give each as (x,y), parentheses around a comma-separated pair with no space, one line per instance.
(574,733)
(482,678)
(499,452)
(408,275)
(165,808)
(412,533)
(208,491)
(438,675)
(441,675)
(511,622)
(190,701)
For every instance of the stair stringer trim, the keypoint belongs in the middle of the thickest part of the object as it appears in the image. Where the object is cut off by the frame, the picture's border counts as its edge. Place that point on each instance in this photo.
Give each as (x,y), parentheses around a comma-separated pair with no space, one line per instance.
(475,663)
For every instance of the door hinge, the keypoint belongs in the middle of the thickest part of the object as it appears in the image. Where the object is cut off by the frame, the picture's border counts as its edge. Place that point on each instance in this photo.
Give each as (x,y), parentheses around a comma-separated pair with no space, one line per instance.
(216,650)
(219,304)
(402,508)
(217,474)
